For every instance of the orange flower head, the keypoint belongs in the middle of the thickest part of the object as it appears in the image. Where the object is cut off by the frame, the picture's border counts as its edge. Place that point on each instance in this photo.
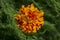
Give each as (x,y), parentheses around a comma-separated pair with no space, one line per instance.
(29,19)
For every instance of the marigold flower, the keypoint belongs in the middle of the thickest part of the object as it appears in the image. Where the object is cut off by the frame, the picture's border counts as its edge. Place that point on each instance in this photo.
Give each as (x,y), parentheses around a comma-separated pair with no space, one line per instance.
(29,19)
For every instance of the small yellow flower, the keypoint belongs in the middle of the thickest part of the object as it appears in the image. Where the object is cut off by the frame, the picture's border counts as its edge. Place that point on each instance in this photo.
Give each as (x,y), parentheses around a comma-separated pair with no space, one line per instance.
(30,19)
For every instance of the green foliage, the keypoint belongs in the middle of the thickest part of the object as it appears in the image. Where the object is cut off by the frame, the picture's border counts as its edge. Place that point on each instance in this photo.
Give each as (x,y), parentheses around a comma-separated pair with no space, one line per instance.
(8,26)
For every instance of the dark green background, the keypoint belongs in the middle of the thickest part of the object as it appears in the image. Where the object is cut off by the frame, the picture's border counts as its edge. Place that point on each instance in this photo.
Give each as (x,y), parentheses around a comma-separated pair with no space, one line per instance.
(8,26)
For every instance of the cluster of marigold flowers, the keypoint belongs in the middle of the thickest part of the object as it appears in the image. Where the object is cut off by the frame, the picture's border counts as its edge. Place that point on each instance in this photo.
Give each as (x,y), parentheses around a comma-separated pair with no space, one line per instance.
(29,18)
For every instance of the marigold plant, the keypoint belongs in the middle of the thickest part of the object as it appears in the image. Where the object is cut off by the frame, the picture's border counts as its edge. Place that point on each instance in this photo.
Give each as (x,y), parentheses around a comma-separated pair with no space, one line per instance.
(29,18)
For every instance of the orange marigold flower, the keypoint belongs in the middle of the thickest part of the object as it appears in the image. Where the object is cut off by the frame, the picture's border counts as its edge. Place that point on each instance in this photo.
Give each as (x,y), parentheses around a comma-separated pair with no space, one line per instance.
(29,19)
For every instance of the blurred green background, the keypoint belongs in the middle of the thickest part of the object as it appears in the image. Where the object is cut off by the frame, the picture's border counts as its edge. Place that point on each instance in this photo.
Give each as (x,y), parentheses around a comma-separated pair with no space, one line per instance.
(8,26)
